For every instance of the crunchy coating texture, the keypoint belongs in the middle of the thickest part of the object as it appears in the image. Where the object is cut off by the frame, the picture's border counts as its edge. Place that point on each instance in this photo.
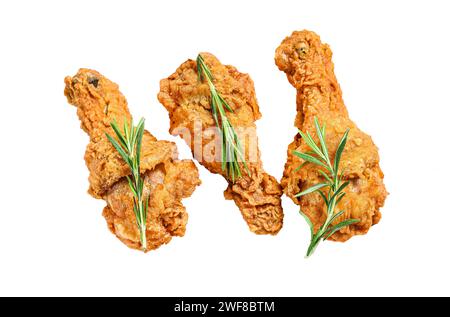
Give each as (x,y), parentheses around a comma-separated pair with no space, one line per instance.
(188,102)
(166,179)
(309,68)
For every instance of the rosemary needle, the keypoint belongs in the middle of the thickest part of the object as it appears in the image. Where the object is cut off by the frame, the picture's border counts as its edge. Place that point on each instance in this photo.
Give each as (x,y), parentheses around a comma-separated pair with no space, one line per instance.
(129,147)
(232,152)
(333,181)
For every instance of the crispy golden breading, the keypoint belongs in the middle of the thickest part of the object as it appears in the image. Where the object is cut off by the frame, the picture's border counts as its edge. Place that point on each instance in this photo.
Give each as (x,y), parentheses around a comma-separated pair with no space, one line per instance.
(166,179)
(188,103)
(308,66)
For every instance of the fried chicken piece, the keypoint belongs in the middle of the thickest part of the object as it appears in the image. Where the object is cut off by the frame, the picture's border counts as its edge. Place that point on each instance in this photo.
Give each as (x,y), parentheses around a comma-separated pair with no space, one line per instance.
(166,179)
(308,66)
(188,102)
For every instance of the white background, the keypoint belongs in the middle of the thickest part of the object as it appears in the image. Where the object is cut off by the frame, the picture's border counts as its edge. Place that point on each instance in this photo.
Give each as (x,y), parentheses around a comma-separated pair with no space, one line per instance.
(392,59)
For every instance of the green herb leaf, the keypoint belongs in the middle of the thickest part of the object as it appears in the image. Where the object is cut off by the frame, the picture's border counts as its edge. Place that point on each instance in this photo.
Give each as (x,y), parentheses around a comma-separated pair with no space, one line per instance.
(118,134)
(340,189)
(326,176)
(119,149)
(321,136)
(232,154)
(341,195)
(139,137)
(301,165)
(130,151)
(339,226)
(311,189)
(334,183)
(310,158)
(325,199)
(336,215)
(308,221)
(340,149)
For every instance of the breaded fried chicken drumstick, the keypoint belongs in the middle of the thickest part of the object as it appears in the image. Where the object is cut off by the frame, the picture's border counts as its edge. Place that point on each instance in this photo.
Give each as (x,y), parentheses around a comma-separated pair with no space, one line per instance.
(166,179)
(189,102)
(309,68)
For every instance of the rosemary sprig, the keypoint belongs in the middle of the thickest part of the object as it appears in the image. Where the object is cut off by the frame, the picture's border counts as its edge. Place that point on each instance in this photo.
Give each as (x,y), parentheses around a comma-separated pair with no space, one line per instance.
(231,146)
(129,147)
(333,181)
